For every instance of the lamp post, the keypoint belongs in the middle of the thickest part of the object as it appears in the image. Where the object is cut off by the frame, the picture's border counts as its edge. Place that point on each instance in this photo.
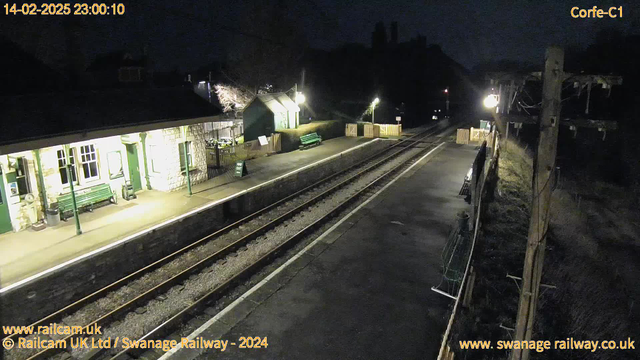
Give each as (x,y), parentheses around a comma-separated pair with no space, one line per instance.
(446,91)
(299,99)
(73,194)
(373,110)
(491,101)
(183,129)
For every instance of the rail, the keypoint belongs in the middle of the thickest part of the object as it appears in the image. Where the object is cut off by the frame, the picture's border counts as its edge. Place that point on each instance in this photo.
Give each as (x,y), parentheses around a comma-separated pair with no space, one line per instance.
(248,271)
(56,316)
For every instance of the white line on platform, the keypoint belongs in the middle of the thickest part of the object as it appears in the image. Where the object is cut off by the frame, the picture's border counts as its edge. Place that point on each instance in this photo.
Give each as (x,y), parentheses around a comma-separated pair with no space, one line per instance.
(167,222)
(257,286)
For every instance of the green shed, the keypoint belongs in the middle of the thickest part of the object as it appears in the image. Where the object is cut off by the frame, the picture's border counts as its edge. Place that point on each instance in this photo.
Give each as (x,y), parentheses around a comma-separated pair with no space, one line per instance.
(268,113)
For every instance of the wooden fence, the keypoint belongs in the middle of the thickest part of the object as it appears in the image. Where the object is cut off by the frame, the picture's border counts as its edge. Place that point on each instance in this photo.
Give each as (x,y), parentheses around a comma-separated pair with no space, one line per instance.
(351,130)
(371,131)
(390,129)
(384,130)
(473,135)
(462,136)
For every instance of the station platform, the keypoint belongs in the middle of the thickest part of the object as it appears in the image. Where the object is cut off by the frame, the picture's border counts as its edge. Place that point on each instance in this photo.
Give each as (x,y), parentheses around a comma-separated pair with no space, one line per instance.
(362,289)
(28,253)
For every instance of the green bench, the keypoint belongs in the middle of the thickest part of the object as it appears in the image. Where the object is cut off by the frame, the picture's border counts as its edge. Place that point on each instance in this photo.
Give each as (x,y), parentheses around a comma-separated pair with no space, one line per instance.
(85,198)
(310,139)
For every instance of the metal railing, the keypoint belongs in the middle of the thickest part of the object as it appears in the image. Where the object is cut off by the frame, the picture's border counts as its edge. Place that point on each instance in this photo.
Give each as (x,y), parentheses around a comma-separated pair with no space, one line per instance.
(478,190)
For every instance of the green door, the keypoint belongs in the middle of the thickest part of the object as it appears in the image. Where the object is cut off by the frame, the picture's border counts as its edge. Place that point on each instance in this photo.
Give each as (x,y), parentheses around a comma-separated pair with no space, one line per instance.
(134,168)
(5,220)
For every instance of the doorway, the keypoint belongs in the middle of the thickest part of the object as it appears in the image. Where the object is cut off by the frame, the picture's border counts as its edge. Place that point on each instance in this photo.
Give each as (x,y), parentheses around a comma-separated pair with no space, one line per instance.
(134,167)
(5,218)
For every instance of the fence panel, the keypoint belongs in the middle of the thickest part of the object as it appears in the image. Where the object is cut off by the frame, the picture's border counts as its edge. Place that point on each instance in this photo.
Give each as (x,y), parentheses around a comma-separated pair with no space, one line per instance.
(351,130)
(390,129)
(371,130)
(462,136)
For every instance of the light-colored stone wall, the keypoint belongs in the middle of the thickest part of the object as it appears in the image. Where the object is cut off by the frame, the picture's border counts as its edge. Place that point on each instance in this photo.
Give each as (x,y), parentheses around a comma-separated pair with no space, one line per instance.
(104,146)
(163,165)
(164,158)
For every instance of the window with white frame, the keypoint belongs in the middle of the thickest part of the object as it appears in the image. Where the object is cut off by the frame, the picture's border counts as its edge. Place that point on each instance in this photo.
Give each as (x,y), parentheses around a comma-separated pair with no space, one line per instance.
(62,166)
(89,159)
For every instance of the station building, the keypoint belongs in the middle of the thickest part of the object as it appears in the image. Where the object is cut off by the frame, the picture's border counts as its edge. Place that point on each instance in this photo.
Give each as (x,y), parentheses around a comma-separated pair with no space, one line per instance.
(108,137)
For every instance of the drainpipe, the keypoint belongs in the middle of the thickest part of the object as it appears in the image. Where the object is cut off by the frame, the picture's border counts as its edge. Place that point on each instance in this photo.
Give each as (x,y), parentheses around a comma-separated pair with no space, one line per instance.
(143,138)
(73,194)
(43,191)
(183,130)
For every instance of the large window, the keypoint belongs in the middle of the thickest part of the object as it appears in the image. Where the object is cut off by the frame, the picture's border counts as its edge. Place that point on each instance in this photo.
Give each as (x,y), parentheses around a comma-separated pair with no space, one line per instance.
(181,150)
(62,166)
(114,159)
(22,176)
(89,160)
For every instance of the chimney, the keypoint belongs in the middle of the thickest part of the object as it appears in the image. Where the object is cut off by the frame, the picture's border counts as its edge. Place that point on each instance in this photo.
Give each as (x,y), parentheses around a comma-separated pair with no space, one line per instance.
(379,37)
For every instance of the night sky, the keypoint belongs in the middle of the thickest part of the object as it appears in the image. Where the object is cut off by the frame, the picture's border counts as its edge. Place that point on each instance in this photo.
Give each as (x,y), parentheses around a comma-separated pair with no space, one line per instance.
(189,33)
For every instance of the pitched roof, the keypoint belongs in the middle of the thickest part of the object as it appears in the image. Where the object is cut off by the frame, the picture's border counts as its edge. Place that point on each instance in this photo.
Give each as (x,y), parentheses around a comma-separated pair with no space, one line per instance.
(38,116)
(277,102)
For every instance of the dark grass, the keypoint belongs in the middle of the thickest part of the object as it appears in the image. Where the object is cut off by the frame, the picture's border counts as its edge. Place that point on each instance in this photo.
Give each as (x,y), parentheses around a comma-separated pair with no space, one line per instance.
(591,257)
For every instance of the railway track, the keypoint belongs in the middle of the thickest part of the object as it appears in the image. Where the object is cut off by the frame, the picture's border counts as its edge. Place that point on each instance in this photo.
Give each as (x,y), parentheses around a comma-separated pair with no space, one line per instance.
(184,267)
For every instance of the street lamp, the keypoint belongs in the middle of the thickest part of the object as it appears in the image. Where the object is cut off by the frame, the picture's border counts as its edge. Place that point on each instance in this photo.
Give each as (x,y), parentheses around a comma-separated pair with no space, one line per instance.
(300,98)
(491,101)
(446,91)
(373,109)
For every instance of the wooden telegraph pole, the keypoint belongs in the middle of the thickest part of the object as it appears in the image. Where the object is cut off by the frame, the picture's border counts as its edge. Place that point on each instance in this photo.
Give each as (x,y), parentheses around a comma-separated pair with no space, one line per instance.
(543,168)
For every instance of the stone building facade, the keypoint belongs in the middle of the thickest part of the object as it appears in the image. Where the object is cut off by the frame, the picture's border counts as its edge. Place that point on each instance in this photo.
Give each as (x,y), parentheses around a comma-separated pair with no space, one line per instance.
(165,169)
(152,160)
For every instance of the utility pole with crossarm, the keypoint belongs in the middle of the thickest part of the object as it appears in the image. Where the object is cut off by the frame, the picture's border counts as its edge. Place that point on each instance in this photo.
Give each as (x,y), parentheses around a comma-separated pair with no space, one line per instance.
(543,168)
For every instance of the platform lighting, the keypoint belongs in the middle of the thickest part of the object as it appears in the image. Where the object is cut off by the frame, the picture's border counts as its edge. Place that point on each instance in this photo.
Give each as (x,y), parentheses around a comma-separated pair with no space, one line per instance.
(446,91)
(373,109)
(491,101)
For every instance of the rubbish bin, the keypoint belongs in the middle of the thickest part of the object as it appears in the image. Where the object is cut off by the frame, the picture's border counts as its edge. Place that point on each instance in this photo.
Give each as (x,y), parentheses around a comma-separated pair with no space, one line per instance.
(53,215)
(127,191)
(463,222)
